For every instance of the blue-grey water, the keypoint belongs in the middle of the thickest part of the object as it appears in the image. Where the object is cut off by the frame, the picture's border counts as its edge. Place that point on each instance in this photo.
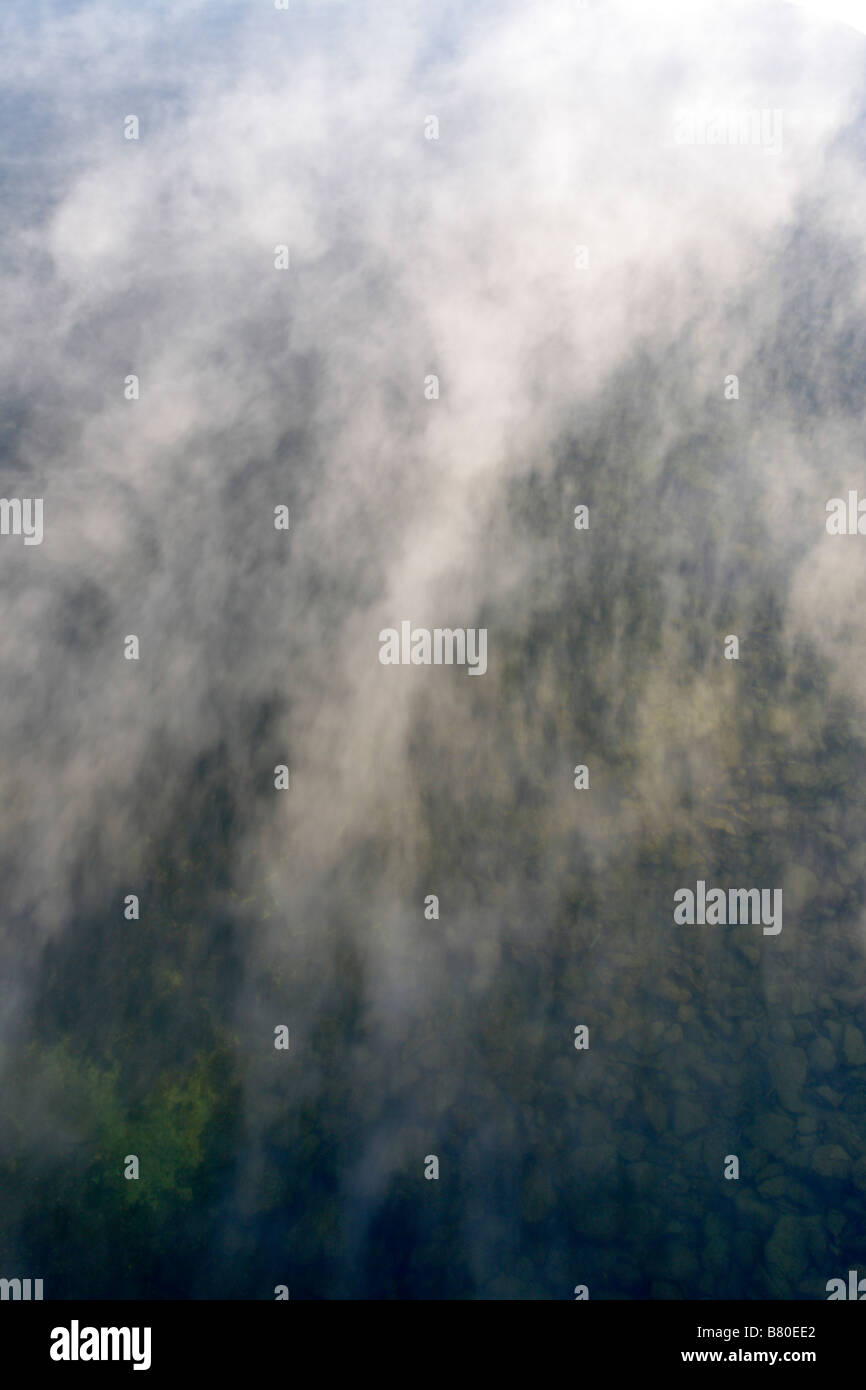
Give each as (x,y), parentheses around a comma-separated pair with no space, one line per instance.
(709,1141)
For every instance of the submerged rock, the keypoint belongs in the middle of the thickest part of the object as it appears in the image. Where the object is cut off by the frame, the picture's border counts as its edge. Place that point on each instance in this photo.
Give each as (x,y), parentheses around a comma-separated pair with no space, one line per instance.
(829,1095)
(773,1131)
(788,1071)
(822,1058)
(858,1173)
(853,1046)
(787,1253)
(831,1161)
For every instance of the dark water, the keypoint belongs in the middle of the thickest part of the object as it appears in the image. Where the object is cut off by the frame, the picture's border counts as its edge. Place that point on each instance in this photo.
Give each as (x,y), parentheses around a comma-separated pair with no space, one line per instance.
(412,1037)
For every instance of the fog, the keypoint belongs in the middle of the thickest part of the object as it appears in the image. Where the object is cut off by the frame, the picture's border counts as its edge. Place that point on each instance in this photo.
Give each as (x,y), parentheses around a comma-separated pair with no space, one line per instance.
(564,378)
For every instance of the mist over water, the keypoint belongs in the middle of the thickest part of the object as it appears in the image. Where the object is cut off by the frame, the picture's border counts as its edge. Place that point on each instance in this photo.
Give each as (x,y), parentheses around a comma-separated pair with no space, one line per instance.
(559,385)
